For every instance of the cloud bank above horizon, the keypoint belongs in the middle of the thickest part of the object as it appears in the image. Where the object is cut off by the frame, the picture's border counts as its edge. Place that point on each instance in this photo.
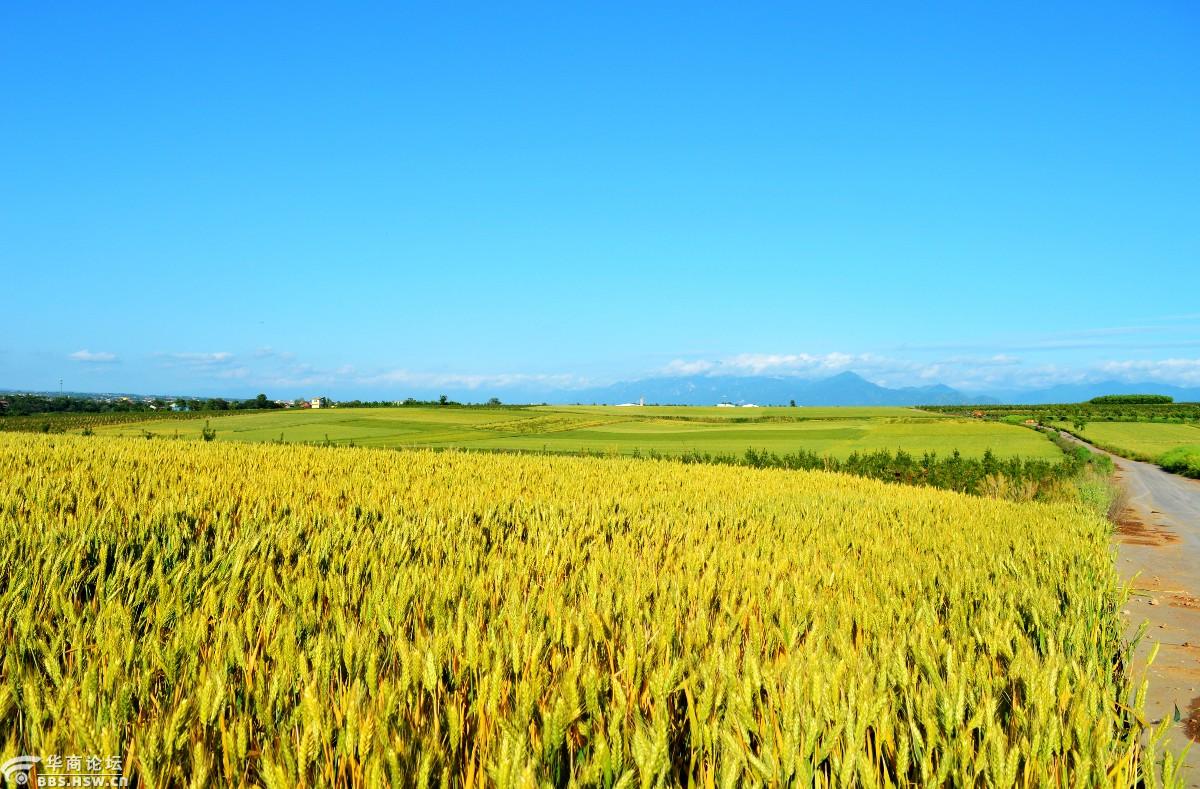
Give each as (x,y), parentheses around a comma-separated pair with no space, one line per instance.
(1164,350)
(284,373)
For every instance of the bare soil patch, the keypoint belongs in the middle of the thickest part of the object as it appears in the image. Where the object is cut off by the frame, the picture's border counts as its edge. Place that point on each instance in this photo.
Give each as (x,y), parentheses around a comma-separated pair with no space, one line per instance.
(1134,532)
(1185,601)
(1191,724)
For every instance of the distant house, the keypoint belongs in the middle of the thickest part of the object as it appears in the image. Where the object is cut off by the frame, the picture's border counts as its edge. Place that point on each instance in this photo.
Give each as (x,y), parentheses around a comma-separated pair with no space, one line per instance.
(626,405)
(320,402)
(726,405)
(749,405)
(977,414)
(1031,422)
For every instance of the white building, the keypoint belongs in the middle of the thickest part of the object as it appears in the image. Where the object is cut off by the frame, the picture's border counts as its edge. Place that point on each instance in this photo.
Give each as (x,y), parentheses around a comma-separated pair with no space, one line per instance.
(320,402)
(726,405)
(749,405)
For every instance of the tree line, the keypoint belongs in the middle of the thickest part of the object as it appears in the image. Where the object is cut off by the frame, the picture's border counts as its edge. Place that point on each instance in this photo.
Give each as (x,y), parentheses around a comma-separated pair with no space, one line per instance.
(1132,399)
(980,476)
(412,402)
(1116,411)
(27,404)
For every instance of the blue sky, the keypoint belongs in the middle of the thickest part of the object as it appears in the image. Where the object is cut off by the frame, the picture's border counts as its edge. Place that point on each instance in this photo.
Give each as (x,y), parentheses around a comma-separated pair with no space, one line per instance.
(396,199)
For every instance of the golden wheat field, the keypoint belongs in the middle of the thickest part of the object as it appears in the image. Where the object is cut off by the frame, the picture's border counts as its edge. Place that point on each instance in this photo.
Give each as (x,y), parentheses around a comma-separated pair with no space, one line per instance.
(226,614)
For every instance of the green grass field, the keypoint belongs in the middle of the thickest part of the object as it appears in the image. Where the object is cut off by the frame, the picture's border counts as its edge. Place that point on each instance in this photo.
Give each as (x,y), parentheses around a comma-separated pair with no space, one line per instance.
(671,430)
(1139,440)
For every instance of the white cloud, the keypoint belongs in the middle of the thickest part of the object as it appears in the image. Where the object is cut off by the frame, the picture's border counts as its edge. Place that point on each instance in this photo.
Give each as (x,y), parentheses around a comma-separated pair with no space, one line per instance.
(289,382)
(233,373)
(798,364)
(190,357)
(759,363)
(995,360)
(994,370)
(97,357)
(263,367)
(1185,372)
(267,352)
(972,373)
(681,367)
(762,363)
(470,381)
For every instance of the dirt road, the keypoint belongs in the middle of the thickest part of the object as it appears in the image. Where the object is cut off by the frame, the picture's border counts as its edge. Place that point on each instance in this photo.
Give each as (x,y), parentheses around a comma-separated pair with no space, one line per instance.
(1158,552)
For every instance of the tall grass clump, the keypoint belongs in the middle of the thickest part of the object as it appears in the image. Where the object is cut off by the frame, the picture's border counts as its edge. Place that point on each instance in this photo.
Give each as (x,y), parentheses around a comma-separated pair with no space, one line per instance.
(1182,460)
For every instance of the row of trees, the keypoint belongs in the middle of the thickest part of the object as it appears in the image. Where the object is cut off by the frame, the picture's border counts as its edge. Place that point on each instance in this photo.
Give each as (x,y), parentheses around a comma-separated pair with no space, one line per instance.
(953,472)
(26,404)
(412,402)
(1132,399)
(1085,412)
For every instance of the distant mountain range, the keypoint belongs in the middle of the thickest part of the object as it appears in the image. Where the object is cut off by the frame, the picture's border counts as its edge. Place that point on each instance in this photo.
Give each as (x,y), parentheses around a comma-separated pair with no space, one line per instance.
(843,389)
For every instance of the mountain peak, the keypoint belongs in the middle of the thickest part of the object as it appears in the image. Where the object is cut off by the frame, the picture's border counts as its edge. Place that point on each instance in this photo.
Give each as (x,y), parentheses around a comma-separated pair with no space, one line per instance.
(845,388)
